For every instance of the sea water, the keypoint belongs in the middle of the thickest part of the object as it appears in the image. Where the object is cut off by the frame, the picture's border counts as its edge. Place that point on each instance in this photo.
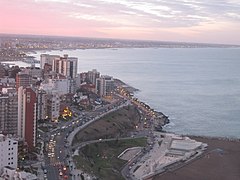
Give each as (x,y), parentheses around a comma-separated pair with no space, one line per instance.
(198,88)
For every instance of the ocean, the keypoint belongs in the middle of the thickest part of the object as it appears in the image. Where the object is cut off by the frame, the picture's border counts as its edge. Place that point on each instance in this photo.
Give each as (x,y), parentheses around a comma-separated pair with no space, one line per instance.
(198,88)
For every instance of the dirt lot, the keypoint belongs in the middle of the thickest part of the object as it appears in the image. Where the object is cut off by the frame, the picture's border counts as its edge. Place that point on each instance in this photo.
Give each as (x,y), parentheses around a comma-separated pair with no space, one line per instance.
(220,162)
(115,124)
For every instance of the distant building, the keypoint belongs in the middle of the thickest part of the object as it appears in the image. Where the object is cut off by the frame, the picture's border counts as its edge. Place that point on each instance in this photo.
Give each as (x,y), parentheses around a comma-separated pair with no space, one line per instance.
(66,66)
(47,70)
(34,72)
(8,111)
(27,115)
(23,79)
(92,76)
(2,71)
(104,85)
(8,152)
(47,59)
(83,77)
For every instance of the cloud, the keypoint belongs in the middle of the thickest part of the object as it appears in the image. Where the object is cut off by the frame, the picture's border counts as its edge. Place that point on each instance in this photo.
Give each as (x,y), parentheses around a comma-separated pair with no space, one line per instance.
(157,13)
(57,1)
(144,17)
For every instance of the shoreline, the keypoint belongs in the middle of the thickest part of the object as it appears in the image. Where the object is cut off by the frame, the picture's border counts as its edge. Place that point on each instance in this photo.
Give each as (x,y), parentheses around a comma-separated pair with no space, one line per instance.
(159,118)
(131,90)
(219,149)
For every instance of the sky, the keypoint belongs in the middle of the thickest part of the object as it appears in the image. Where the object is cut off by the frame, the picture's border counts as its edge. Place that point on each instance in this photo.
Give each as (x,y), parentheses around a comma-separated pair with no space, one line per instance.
(209,21)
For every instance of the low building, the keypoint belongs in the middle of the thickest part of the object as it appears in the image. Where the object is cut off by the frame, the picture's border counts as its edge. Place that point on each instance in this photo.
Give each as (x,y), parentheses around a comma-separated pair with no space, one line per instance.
(12,174)
(34,72)
(8,82)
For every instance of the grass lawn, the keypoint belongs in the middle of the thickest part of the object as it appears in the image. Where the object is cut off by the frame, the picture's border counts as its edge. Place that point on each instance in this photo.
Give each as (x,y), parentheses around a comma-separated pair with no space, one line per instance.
(101,158)
(114,124)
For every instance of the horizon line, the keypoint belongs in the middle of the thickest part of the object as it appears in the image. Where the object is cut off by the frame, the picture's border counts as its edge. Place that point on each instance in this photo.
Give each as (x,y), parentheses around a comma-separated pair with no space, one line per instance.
(110,38)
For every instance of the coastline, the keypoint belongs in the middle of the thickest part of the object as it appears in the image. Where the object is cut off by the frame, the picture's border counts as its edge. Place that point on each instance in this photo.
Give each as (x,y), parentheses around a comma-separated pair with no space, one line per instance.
(220,151)
(221,158)
(158,119)
(127,87)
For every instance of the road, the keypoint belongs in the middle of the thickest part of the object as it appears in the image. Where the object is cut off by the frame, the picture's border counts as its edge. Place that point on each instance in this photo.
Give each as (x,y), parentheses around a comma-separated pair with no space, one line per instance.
(60,138)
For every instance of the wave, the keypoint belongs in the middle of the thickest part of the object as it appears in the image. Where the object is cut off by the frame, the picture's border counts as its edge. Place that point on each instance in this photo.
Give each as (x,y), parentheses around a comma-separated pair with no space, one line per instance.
(169,125)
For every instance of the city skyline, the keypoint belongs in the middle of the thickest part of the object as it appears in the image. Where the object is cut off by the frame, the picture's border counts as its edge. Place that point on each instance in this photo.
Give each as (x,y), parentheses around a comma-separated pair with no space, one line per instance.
(178,20)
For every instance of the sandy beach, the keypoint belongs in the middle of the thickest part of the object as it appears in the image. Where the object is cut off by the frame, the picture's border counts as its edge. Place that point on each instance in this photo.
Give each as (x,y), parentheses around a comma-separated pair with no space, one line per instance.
(221,161)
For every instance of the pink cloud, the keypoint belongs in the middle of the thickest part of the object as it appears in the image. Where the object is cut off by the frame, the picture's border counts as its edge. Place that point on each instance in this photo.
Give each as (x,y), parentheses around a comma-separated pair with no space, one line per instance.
(154,20)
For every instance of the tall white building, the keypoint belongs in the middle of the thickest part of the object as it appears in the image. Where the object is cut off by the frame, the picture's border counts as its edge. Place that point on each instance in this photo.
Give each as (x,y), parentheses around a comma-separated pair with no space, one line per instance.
(53,105)
(61,85)
(70,66)
(66,66)
(104,85)
(47,59)
(8,152)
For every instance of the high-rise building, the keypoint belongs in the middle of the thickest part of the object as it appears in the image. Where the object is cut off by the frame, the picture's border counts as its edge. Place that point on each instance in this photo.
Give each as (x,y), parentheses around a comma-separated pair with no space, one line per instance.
(53,105)
(27,115)
(8,152)
(47,59)
(92,76)
(41,104)
(8,111)
(23,79)
(78,81)
(104,85)
(66,66)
